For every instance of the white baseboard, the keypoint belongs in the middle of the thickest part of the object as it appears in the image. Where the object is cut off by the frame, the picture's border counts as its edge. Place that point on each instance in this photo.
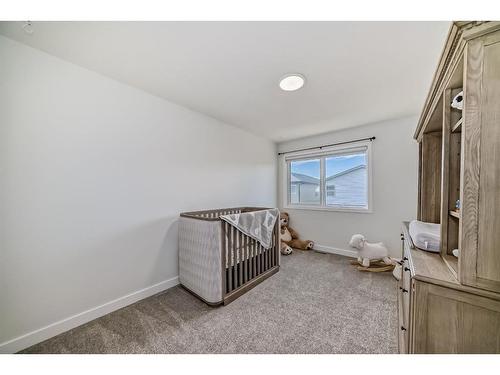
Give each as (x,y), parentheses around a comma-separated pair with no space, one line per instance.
(44,333)
(335,250)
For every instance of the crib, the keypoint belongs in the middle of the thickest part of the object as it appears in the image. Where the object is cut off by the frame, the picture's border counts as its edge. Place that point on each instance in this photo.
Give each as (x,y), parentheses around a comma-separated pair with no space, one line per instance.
(217,262)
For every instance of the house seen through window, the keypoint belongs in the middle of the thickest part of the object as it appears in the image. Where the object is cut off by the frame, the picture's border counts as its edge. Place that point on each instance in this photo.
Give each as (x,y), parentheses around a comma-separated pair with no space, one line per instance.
(332,180)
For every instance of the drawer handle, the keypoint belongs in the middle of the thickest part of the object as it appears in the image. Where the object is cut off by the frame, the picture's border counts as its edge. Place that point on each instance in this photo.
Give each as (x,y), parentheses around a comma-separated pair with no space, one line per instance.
(403,328)
(403,290)
(399,262)
(405,258)
(407,269)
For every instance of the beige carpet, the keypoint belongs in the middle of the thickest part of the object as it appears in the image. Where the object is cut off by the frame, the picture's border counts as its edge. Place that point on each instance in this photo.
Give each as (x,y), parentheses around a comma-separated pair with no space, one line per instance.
(317,303)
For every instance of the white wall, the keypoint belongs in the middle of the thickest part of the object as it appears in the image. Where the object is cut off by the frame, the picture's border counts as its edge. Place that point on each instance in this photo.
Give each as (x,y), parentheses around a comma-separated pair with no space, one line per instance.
(93,176)
(394,162)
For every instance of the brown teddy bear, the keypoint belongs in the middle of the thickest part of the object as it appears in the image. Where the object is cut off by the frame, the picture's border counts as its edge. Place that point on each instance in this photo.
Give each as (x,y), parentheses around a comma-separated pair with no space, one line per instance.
(290,238)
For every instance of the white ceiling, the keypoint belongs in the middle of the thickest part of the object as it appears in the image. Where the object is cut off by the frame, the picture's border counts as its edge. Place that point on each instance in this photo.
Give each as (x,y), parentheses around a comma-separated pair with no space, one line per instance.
(356,72)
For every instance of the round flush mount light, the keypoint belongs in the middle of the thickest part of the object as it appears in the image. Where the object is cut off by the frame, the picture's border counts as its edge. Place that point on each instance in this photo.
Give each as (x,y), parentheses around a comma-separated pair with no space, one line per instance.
(292,82)
(28,27)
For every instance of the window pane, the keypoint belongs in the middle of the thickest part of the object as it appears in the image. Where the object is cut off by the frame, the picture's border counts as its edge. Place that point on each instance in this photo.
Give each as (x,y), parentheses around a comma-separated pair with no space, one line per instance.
(304,182)
(346,180)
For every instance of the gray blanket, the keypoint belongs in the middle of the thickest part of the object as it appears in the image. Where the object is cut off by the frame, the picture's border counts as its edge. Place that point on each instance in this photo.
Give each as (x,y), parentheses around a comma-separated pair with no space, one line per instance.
(257,224)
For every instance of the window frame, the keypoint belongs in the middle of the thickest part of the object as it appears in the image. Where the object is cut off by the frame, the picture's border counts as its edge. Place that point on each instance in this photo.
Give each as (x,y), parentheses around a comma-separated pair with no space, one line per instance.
(322,154)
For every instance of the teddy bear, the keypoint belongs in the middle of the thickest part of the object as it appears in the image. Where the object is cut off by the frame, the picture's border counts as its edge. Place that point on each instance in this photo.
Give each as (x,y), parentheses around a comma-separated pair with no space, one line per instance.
(290,238)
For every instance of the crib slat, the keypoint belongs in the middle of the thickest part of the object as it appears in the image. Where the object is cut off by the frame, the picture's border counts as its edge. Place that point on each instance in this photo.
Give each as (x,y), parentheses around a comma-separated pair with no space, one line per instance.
(255,258)
(259,259)
(223,256)
(276,247)
(264,255)
(238,259)
(278,244)
(233,250)
(229,259)
(235,259)
(267,258)
(263,258)
(261,265)
(245,257)
(235,265)
(255,263)
(272,250)
(275,260)
(233,256)
(242,255)
(277,236)
(242,260)
(247,261)
(264,263)
(252,243)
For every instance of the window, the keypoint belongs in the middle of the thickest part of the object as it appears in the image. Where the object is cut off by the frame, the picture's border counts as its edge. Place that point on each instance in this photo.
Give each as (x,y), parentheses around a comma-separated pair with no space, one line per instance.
(304,182)
(333,179)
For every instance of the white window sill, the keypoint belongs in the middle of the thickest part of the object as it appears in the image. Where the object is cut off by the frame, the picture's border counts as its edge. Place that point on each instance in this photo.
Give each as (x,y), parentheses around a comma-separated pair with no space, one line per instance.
(334,209)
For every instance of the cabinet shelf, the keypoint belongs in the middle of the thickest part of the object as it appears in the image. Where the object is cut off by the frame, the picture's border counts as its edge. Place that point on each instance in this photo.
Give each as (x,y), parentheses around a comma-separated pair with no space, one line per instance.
(457,128)
(455,214)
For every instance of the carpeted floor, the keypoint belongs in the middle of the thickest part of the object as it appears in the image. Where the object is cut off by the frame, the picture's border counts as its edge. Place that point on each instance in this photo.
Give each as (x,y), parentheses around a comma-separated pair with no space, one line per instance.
(317,303)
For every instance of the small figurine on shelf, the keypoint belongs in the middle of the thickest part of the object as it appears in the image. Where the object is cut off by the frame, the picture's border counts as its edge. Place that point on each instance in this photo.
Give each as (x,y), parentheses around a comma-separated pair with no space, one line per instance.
(457,205)
(458,101)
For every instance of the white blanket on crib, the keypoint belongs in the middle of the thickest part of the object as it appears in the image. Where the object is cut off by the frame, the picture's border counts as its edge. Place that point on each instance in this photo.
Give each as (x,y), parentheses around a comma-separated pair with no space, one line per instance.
(257,224)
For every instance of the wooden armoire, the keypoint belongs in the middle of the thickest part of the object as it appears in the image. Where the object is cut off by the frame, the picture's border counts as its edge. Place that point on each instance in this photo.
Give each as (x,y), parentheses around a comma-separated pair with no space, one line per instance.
(450,304)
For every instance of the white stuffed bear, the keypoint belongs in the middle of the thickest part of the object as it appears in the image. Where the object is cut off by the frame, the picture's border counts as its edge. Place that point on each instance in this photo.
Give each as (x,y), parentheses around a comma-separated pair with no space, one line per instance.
(369,251)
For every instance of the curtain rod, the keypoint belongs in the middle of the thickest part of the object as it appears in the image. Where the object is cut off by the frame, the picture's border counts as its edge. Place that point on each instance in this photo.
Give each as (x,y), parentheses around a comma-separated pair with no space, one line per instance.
(331,144)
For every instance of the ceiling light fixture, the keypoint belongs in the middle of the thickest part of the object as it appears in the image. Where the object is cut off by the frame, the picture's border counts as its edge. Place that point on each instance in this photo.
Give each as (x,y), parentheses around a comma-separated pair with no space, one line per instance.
(292,82)
(28,27)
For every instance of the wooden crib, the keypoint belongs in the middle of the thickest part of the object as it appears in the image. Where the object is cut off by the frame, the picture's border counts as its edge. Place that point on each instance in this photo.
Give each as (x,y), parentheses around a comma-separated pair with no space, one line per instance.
(217,262)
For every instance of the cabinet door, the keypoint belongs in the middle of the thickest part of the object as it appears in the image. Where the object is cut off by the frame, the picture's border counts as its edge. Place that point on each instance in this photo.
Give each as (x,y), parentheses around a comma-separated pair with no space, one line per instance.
(480,193)
(430,177)
(453,321)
